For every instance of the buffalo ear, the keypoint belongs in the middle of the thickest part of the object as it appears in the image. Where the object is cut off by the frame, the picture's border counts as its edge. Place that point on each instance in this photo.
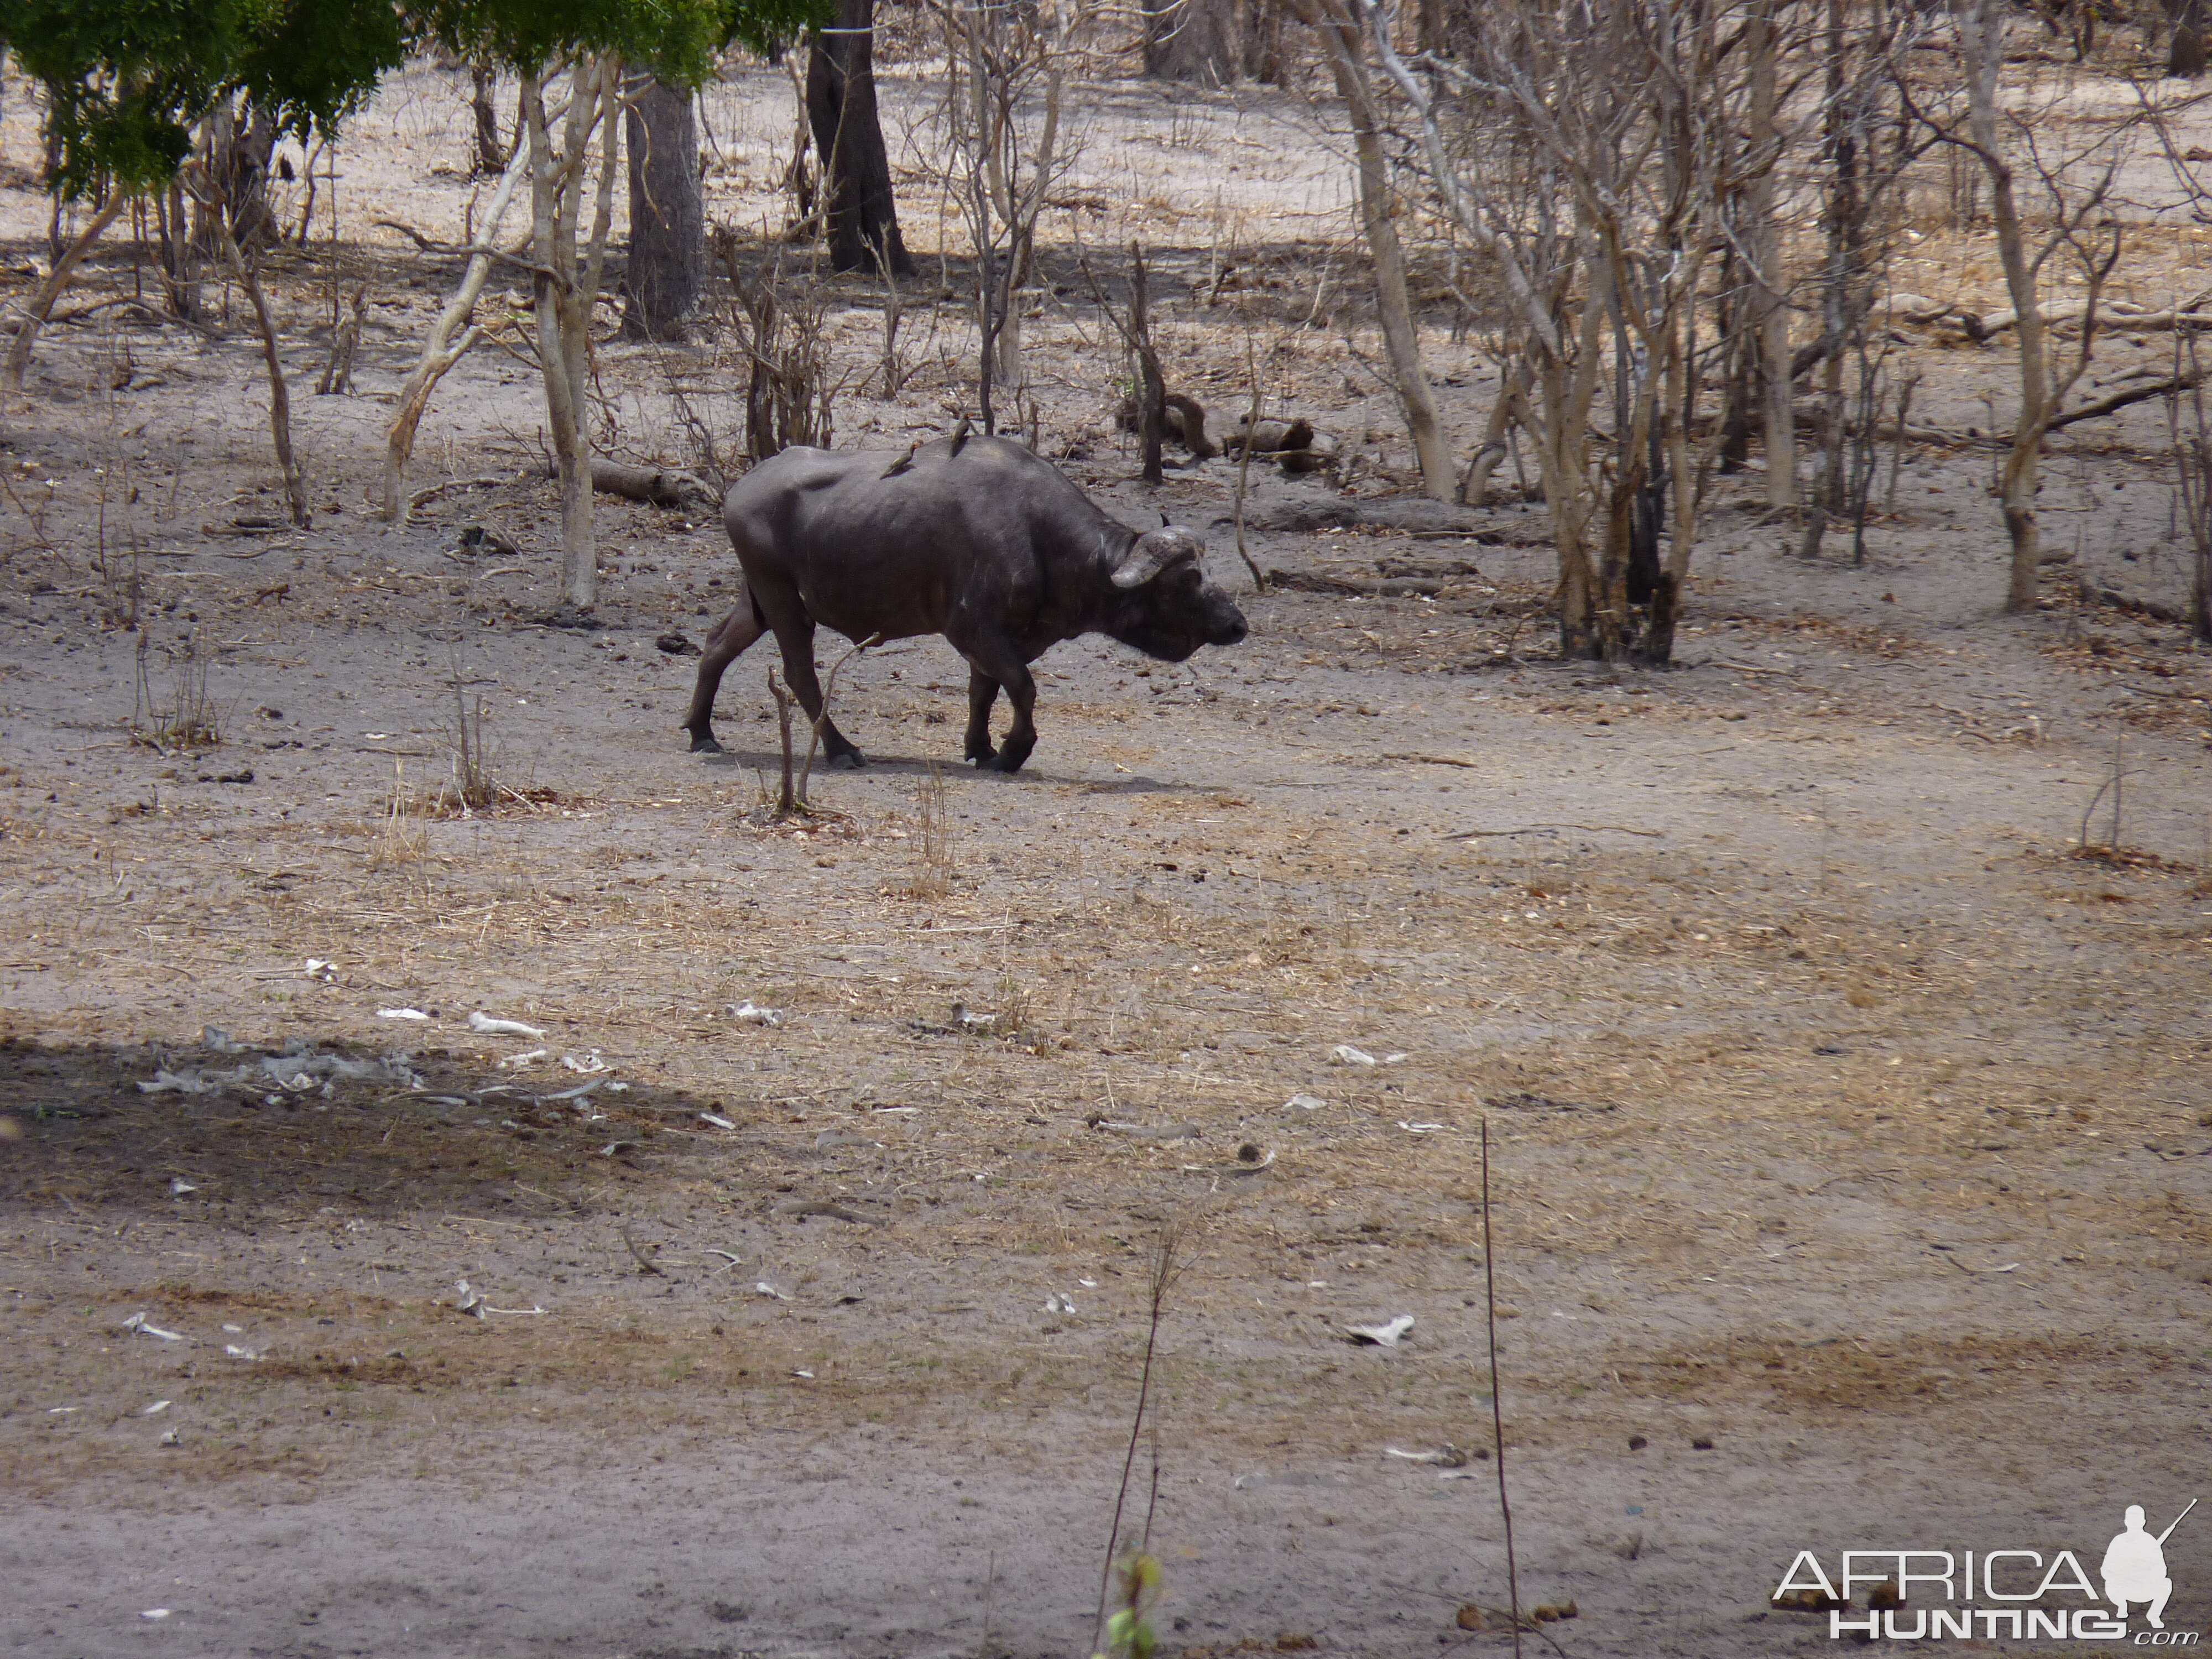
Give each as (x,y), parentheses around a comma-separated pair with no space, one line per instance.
(1148,556)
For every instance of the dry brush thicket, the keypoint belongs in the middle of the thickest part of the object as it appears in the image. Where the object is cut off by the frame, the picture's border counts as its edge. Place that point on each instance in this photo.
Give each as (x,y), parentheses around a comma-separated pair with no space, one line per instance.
(1687,240)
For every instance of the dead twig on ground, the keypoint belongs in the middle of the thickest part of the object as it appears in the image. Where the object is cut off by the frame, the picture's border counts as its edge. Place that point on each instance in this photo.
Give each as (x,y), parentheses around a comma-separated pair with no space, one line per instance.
(1548,828)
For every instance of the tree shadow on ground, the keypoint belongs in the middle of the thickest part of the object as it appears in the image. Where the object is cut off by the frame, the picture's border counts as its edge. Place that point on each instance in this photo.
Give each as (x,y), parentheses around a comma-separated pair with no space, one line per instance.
(245,1130)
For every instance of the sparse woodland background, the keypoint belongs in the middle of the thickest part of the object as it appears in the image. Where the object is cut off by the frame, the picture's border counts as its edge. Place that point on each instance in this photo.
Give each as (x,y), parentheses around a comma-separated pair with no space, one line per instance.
(1677,233)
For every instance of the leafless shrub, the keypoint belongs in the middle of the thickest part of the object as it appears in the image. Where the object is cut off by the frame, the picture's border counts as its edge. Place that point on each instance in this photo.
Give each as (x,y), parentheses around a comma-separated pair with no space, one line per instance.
(782,328)
(471,785)
(185,719)
(1005,151)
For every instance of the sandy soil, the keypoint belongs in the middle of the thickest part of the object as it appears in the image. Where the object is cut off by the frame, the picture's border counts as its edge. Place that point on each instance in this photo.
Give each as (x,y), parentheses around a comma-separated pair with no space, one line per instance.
(1851,1131)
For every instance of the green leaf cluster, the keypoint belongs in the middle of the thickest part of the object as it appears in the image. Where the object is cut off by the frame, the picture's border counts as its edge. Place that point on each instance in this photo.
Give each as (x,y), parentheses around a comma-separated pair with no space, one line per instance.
(675,39)
(126,79)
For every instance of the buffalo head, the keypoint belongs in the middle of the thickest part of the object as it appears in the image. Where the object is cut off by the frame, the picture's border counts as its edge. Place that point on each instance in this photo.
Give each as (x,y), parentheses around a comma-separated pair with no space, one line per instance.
(1167,609)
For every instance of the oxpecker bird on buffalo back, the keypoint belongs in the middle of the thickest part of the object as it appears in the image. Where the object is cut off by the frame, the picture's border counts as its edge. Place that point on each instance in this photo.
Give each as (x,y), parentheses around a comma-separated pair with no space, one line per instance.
(982,542)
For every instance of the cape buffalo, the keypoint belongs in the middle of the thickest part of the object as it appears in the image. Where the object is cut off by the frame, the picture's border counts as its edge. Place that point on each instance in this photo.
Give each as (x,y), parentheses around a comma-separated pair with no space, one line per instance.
(980,541)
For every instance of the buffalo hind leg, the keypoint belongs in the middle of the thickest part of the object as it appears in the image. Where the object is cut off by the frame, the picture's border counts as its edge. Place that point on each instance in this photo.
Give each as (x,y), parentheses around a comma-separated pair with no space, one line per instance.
(724,645)
(1021,736)
(982,692)
(795,635)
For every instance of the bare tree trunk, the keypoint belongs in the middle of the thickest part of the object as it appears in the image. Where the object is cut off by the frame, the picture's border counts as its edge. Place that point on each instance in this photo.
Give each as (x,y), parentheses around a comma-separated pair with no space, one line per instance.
(441,350)
(1505,413)
(2185,55)
(280,397)
(42,303)
(1262,42)
(848,136)
(1981,42)
(667,215)
(566,288)
(1192,40)
(1770,308)
(1345,42)
(490,154)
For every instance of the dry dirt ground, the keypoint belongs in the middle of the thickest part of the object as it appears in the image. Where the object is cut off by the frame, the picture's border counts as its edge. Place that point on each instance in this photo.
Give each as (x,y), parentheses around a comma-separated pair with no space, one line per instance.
(1851,1135)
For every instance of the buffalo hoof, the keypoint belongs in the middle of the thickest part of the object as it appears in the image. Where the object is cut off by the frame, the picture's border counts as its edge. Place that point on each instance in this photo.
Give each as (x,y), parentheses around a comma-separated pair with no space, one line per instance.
(851,759)
(982,757)
(704,744)
(1004,762)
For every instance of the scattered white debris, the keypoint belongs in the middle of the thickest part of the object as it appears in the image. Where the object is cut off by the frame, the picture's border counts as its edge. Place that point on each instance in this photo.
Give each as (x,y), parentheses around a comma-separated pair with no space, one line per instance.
(233,1330)
(237,1352)
(1382,1336)
(483,1023)
(719,1122)
(138,1322)
(64,1410)
(766,1289)
(1424,1129)
(1449,1456)
(589,1064)
(886,1111)
(401,1013)
(1088,1284)
(316,969)
(185,1083)
(471,1303)
(218,1041)
(576,1093)
(809,1375)
(159,1612)
(967,1022)
(515,1062)
(179,1187)
(1306,1103)
(619,1088)
(1057,1303)
(169,1438)
(155,1409)
(1344,1054)
(729,1256)
(752,1016)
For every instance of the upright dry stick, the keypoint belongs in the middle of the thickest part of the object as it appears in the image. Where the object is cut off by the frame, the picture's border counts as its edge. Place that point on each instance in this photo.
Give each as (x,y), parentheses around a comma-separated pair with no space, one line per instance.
(829,687)
(1245,465)
(1165,1271)
(1497,1410)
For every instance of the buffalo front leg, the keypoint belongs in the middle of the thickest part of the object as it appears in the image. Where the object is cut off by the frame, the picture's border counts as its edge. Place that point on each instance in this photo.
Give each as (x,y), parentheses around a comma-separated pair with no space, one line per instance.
(982,692)
(724,645)
(796,637)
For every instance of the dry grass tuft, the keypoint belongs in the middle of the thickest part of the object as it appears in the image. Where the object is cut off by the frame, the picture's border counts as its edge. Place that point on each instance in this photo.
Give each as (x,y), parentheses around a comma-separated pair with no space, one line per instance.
(932,875)
(402,839)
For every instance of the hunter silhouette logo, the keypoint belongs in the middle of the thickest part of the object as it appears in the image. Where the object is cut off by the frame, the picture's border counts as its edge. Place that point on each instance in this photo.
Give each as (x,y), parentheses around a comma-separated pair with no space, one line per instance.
(2018,1594)
(2135,1567)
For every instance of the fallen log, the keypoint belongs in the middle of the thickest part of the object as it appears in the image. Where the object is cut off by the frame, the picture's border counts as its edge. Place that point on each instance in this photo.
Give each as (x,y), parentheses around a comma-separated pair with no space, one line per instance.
(654,486)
